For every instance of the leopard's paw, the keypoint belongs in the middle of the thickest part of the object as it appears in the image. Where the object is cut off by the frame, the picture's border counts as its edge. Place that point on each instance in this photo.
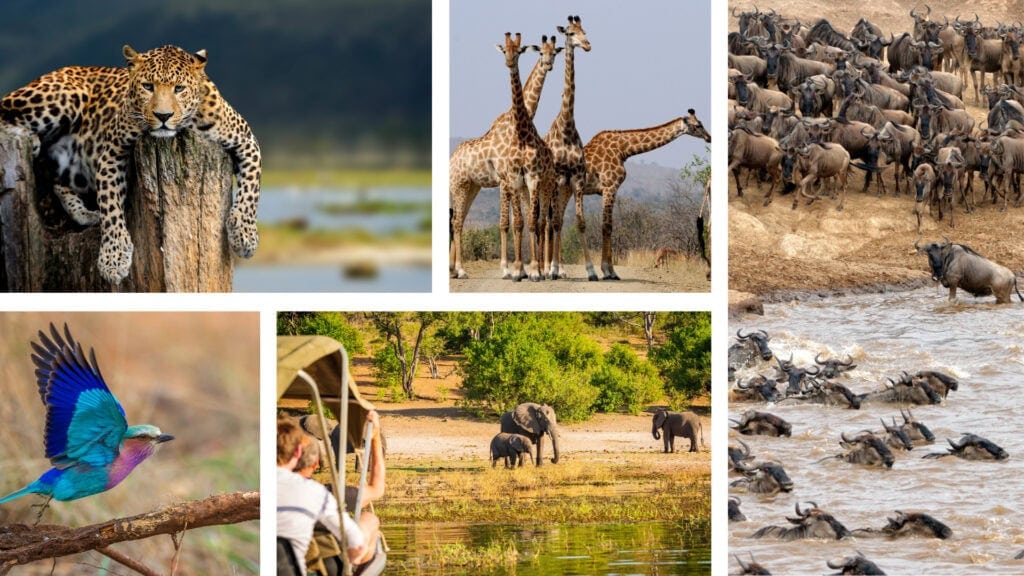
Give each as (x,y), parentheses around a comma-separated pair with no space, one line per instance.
(242,234)
(115,259)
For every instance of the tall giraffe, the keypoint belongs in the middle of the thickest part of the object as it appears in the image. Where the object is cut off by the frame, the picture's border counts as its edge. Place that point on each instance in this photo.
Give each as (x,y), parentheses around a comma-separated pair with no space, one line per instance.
(606,154)
(567,148)
(528,175)
(475,163)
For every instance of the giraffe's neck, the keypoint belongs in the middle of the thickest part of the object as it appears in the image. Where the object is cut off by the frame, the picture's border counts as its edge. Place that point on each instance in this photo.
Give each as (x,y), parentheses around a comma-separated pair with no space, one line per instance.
(569,93)
(633,142)
(533,87)
(520,115)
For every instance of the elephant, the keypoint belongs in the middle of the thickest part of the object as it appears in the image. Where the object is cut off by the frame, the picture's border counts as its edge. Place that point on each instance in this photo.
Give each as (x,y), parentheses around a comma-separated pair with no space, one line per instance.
(675,424)
(533,421)
(511,448)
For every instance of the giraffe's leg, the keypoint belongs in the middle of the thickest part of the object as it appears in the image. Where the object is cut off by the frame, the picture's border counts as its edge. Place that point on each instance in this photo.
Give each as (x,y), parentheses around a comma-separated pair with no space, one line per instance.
(581,226)
(463,195)
(534,225)
(607,209)
(506,204)
(517,235)
(555,224)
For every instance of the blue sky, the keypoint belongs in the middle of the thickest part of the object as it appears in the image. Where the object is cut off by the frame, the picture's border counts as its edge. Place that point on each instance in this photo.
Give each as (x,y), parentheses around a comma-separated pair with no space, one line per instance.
(649,63)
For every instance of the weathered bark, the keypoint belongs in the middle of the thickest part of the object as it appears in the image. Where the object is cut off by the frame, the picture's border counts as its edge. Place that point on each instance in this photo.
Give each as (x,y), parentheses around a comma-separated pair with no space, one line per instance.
(21,544)
(179,193)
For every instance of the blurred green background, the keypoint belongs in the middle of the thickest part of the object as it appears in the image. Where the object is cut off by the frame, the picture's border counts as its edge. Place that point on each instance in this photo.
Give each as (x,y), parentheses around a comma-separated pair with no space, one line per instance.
(336,83)
(194,375)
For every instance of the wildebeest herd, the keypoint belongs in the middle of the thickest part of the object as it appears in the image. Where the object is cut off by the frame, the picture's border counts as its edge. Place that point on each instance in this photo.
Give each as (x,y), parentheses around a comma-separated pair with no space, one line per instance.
(763,378)
(809,102)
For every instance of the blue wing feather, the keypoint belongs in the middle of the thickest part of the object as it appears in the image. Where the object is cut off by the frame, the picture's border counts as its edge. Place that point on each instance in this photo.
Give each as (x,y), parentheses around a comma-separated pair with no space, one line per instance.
(84,421)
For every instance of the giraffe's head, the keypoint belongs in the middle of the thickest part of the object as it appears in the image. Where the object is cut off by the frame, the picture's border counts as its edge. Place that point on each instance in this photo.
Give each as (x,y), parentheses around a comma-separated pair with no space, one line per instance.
(574,34)
(694,126)
(548,51)
(513,48)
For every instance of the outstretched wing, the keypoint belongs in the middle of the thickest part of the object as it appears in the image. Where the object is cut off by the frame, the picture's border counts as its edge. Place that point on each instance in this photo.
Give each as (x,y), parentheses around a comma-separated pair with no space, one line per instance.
(84,421)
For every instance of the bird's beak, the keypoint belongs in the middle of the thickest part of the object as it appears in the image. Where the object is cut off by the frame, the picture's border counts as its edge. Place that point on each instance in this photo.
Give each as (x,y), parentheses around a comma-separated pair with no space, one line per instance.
(164,438)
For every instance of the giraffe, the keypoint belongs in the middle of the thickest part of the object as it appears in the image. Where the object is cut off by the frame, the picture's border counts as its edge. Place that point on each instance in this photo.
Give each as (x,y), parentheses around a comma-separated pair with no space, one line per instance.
(474,163)
(606,154)
(567,149)
(527,175)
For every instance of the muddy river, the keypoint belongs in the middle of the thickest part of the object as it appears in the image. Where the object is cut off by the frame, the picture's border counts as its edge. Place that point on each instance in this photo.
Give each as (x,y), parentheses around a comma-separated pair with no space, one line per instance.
(979,343)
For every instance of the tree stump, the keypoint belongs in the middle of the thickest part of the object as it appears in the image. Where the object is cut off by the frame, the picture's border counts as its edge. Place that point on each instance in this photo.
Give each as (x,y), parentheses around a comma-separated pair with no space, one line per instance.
(179,194)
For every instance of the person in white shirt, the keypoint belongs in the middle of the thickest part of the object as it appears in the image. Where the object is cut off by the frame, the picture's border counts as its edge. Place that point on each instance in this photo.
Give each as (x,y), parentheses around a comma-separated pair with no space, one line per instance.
(302,502)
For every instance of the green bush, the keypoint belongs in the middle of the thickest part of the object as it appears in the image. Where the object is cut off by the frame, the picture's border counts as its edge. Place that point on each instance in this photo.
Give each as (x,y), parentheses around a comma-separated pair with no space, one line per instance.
(626,382)
(388,374)
(536,357)
(685,359)
(331,324)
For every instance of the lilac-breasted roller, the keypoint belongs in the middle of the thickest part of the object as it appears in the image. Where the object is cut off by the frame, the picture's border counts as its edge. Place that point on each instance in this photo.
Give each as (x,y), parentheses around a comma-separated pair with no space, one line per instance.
(88,440)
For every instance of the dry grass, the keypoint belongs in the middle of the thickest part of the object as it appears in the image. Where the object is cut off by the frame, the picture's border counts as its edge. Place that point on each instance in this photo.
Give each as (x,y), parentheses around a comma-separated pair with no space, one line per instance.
(193,375)
(630,487)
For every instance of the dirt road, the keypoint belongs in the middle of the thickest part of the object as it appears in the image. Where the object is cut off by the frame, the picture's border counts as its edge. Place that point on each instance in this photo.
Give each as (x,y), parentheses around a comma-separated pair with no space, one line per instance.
(681,276)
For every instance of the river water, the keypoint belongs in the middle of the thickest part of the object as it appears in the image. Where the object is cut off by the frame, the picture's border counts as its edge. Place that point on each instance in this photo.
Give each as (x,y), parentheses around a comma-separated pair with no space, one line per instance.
(976,341)
(641,548)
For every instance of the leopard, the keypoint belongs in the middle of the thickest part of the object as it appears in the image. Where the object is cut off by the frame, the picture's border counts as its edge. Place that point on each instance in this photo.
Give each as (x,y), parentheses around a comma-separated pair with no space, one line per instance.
(87,119)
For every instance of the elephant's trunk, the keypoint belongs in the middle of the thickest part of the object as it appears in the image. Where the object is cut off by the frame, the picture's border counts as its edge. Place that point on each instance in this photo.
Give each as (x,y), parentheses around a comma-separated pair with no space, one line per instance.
(654,430)
(554,444)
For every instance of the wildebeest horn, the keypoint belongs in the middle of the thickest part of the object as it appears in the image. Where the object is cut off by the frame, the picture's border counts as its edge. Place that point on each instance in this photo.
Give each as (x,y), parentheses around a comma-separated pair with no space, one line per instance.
(953,444)
(765,334)
(929,8)
(862,132)
(741,336)
(848,362)
(816,359)
(916,247)
(946,238)
(734,11)
(816,371)
(746,449)
(845,439)
(739,384)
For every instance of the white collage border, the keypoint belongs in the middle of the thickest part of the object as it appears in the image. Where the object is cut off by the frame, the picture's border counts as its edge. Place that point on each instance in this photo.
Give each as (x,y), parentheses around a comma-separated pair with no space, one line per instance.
(268,304)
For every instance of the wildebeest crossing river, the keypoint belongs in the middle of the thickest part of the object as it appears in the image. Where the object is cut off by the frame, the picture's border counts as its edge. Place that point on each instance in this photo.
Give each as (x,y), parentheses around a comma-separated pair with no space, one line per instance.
(982,346)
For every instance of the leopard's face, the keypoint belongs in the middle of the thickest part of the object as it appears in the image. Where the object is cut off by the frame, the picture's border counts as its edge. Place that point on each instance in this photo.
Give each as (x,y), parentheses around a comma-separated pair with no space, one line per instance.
(166,86)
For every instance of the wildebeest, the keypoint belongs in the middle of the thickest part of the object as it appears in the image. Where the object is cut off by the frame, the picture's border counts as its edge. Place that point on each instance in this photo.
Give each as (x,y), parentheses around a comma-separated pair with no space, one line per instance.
(734,510)
(755,151)
(924,180)
(790,70)
(810,523)
(819,161)
(941,382)
(1007,157)
(868,38)
(764,478)
(1010,62)
(983,55)
(958,266)
(915,524)
(972,447)
(794,376)
(738,456)
(912,391)
(912,431)
(833,367)
(823,32)
(896,437)
(867,449)
(751,568)
(753,422)
(949,167)
(756,98)
(855,565)
(758,388)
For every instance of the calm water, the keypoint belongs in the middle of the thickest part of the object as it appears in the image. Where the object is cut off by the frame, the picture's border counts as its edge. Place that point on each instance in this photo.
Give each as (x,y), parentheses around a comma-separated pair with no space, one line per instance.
(279,204)
(329,279)
(647,548)
(979,343)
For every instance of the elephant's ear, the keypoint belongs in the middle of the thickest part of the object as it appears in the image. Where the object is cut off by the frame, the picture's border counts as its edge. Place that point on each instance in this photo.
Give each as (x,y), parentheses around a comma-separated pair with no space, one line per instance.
(524,417)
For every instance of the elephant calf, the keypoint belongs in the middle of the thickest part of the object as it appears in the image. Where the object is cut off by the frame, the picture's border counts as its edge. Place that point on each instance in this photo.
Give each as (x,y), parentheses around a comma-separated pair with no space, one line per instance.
(511,448)
(685,424)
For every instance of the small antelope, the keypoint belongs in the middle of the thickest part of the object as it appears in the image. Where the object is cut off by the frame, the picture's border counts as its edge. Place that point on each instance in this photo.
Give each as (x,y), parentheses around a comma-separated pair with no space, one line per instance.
(663,255)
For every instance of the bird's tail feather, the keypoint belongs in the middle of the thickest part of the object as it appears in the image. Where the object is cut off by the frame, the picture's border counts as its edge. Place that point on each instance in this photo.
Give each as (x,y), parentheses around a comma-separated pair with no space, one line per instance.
(30,489)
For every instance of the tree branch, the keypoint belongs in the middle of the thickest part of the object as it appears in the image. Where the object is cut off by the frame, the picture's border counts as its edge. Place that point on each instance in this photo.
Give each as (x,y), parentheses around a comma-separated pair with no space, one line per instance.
(21,544)
(128,561)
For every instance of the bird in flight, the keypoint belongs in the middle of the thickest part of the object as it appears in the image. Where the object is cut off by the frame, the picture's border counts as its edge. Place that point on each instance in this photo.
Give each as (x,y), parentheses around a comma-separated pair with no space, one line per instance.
(87,437)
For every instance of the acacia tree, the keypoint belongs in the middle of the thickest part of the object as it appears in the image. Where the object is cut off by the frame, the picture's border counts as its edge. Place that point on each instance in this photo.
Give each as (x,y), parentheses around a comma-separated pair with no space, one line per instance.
(406,354)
